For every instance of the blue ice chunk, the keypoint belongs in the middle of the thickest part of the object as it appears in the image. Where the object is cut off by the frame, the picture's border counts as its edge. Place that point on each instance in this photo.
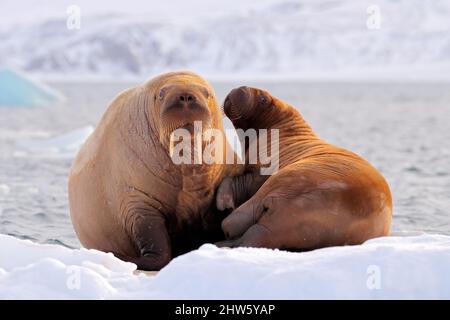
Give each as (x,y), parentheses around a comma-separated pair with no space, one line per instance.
(17,90)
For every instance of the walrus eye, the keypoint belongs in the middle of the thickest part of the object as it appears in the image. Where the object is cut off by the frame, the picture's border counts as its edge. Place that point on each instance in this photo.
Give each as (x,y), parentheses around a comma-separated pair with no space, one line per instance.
(162,92)
(263,99)
(206,93)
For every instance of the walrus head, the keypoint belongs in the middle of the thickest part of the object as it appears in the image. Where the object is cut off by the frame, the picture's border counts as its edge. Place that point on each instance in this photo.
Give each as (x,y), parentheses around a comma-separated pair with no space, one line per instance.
(244,103)
(180,105)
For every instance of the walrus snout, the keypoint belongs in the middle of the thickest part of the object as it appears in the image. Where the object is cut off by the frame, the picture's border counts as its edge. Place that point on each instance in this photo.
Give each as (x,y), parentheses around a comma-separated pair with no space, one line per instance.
(240,96)
(238,102)
(182,105)
(184,101)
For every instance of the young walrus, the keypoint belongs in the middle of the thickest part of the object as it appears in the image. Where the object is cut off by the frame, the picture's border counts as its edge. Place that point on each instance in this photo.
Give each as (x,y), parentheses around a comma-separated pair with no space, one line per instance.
(126,194)
(322,195)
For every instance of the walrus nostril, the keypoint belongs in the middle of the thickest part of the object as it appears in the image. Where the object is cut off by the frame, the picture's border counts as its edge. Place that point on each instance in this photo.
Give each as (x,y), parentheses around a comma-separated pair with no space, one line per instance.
(186,98)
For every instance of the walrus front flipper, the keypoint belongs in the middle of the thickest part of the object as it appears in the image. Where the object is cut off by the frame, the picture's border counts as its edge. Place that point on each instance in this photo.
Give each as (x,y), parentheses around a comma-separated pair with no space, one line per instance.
(257,236)
(234,191)
(150,235)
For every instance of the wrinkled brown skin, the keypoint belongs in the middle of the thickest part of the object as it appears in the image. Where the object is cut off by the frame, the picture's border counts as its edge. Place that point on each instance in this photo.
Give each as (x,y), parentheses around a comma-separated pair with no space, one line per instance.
(322,195)
(127,196)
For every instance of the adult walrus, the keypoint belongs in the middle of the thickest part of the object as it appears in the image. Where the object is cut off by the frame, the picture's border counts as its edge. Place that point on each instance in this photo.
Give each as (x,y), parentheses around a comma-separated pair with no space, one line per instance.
(322,196)
(127,196)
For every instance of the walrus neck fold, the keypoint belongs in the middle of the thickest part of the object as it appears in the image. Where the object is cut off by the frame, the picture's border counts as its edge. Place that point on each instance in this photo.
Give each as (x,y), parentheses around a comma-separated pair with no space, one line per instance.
(144,125)
(296,138)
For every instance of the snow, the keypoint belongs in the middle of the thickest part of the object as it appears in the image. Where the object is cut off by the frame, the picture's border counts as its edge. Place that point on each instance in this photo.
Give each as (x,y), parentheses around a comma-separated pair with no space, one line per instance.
(62,146)
(238,39)
(383,268)
(18,90)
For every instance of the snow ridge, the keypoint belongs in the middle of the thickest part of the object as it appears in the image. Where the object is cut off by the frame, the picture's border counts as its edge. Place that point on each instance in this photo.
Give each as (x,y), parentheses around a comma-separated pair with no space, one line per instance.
(414,267)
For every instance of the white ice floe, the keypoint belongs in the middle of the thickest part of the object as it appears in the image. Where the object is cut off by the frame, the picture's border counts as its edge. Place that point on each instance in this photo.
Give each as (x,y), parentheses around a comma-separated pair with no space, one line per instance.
(384,268)
(65,145)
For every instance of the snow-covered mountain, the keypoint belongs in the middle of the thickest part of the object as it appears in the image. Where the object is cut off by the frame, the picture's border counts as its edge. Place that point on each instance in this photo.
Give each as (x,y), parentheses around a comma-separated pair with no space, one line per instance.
(317,38)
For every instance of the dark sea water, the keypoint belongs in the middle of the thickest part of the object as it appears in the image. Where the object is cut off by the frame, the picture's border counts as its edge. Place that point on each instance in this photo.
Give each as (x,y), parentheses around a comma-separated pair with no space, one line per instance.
(402,129)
